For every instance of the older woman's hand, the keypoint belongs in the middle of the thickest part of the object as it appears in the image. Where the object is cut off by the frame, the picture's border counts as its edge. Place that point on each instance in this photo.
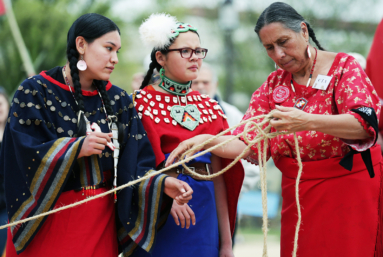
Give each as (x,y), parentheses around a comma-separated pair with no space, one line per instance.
(186,145)
(290,119)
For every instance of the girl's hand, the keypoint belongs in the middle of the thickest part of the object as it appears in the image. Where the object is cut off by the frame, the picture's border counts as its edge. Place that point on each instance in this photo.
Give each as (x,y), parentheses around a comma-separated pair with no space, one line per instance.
(226,251)
(186,145)
(290,119)
(94,143)
(183,214)
(180,191)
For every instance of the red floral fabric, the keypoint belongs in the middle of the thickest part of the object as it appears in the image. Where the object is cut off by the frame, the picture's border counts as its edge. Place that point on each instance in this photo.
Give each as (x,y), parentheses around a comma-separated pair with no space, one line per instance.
(350,88)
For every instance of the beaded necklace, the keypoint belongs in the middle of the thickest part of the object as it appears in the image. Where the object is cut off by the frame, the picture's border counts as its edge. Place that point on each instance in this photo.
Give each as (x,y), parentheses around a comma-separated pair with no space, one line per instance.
(302,102)
(70,89)
(187,116)
(112,127)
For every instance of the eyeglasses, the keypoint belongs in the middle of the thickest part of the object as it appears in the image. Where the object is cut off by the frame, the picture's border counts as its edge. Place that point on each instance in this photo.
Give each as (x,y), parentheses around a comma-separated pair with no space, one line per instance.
(188,52)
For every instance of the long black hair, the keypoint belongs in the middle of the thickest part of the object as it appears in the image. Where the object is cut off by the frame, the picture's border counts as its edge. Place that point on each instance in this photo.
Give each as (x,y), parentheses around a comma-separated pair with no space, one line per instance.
(154,64)
(288,16)
(90,26)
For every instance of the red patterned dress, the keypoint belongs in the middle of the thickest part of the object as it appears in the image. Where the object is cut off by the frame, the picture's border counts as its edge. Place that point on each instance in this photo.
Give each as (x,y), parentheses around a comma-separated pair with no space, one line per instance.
(165,134)
(340,208)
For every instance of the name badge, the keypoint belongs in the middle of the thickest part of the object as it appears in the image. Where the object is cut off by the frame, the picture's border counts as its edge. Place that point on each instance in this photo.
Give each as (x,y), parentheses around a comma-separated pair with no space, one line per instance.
(322,82)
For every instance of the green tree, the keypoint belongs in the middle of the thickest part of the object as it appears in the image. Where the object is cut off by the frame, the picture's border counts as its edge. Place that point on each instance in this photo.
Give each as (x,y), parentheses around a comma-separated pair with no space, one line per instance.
(43,25)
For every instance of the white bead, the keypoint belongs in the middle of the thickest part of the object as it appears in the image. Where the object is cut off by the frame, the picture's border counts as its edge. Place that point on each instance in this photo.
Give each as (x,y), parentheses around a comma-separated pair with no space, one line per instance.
(169,108)
(135,103)
(210,119)
(167,99)
(210,111)
(201,121)
(149,96)
(161,106)
(163,112)
(146,100)
(204,96)
(140,115)
(155,112)
(147,113)
(167,120)
(190,99)
(205,112)
(149,109)
(183,99)
(152,104)
(157,120)
(138,96)
(158,98)
(174,99)
(204,119)
(195,98)
(201,106)
(140,108)
(174,122)
(199,98)
(214,116)
(207,103)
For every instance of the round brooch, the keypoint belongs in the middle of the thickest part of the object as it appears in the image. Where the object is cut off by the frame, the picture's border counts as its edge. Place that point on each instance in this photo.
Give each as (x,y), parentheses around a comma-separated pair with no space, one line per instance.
(280,94)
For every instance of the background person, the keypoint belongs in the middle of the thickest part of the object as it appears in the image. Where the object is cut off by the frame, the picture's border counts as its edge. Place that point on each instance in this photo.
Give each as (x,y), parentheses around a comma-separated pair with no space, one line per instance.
(4,110)
(207,83)
(339,189)
(374,71)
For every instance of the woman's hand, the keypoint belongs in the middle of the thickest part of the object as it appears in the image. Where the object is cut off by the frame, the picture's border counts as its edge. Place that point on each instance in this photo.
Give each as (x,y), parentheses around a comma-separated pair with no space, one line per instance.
(290,119)
(94,143)
(180,191)
(183,214)
(226,251)
(186,145)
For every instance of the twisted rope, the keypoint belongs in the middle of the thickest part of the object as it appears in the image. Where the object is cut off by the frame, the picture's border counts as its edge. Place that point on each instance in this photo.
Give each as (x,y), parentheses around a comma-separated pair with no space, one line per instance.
(250,125)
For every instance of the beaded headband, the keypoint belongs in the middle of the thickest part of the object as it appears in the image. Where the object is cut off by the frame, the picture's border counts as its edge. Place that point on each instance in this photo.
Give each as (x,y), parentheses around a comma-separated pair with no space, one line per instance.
(160,28)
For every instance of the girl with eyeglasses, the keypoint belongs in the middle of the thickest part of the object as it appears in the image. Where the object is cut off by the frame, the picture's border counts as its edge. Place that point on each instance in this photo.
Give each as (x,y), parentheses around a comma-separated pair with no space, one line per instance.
(171,112)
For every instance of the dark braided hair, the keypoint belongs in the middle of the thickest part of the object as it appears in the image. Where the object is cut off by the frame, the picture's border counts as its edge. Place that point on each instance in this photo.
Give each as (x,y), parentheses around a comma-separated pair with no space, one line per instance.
(288,16)
(90,26)
(154,64)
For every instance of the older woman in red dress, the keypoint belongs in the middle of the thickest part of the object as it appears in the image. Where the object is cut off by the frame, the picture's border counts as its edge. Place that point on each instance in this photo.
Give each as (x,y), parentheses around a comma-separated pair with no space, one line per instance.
(327,99)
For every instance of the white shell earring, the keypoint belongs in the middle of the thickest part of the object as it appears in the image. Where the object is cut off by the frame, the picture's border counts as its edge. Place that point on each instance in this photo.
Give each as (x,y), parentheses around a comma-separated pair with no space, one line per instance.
(81,64)
(308,51)
(276,66)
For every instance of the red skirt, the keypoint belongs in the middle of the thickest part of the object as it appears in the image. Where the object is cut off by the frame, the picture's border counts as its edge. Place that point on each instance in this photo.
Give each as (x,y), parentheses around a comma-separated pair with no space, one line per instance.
(85,230)
(340,209)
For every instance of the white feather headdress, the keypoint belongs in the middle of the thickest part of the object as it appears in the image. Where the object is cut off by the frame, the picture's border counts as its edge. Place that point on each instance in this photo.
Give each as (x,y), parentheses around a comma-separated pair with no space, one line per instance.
(156,31)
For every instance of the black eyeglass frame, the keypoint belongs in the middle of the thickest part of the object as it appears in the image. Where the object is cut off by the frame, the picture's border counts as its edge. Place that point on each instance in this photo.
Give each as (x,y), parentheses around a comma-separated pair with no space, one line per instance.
(192,51)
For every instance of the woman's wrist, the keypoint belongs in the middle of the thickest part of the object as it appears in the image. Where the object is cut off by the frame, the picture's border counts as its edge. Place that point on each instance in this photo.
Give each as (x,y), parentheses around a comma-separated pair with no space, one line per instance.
(312,123)
(227,243)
